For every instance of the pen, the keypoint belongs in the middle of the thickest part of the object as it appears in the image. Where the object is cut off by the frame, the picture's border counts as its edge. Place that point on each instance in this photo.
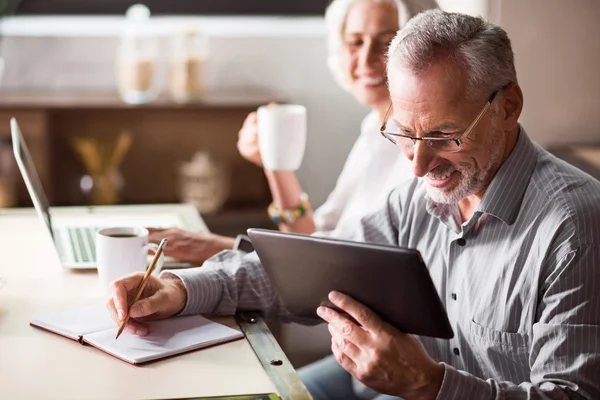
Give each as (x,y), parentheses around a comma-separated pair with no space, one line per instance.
(142,284)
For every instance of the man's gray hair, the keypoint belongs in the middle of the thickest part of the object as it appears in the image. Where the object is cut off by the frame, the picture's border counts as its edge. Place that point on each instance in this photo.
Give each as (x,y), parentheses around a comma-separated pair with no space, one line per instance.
(335,18)
(483,48)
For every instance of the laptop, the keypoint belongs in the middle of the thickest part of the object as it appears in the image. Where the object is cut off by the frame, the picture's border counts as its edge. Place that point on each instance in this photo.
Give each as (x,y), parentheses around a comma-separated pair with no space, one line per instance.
(73,229)
(393,281)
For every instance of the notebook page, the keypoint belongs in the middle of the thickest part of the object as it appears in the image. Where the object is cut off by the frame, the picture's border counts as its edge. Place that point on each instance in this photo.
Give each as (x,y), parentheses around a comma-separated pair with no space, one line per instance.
(78,322)
(167,337)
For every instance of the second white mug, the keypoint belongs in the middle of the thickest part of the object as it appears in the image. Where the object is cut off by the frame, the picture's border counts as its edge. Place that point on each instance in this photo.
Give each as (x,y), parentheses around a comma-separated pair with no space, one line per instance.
(282,136)
(121,251)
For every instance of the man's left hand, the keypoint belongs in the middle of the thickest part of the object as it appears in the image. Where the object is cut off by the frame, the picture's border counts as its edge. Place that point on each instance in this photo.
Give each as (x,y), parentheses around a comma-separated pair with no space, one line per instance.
(383,358)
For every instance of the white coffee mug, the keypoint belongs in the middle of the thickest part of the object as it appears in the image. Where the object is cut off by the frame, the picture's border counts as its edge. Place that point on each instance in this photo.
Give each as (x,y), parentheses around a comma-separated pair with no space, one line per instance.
(282,136)
(121,251)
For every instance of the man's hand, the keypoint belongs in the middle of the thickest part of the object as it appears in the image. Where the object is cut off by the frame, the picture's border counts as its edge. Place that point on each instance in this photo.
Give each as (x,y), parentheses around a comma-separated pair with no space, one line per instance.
(383,358)
(190,247)
(160,299)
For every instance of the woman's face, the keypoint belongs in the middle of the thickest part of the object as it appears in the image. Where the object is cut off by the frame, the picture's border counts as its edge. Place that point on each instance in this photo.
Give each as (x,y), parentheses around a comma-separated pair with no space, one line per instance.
(370,26)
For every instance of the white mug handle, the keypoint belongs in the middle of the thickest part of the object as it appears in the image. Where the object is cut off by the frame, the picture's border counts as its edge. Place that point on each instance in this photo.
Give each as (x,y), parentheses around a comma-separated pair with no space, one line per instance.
(161,260)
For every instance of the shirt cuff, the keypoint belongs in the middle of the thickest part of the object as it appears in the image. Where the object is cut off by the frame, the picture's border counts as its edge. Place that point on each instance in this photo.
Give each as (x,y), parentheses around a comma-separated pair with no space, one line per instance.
(203,290)
(462,385)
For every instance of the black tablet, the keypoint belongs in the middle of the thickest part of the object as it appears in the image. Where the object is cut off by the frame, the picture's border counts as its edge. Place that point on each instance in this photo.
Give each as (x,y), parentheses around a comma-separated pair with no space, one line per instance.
(392,281)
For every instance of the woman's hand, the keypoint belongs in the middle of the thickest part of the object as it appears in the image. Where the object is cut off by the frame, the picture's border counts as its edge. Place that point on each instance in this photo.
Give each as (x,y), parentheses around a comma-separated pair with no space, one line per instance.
(248,139)
(247,143)
(188,246)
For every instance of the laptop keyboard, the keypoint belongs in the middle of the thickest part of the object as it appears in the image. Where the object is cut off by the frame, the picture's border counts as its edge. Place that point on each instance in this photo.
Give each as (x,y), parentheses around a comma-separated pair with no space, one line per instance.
(83,243)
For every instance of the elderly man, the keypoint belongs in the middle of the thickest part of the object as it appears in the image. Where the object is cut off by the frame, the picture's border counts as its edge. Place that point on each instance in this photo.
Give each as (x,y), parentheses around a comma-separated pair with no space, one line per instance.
(510,234)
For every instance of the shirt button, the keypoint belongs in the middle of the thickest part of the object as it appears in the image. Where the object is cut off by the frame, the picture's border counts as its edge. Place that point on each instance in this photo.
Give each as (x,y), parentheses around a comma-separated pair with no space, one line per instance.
(456,352)
(453,296)
(461,242)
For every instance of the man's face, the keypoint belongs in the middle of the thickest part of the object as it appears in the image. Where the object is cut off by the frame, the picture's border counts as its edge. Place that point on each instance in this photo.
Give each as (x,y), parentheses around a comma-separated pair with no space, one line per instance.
(435,105)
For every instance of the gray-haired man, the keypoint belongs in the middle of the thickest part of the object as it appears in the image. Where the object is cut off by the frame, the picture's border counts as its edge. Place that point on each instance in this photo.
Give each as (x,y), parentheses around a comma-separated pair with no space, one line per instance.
(510,234)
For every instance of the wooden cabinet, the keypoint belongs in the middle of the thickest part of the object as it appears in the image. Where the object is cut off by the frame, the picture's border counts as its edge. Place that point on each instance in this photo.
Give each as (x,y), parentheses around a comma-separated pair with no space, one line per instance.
(165,135)
(34,126)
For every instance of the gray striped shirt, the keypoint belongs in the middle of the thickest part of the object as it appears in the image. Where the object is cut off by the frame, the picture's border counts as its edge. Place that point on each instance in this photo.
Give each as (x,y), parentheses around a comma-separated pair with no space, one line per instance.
(520,280)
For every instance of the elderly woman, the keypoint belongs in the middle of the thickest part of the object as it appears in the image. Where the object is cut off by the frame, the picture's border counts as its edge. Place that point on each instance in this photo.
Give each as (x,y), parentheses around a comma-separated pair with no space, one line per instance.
(359,32)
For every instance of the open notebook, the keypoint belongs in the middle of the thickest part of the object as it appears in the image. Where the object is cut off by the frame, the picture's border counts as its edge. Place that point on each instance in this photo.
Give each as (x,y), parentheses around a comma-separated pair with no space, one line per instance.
(168,337)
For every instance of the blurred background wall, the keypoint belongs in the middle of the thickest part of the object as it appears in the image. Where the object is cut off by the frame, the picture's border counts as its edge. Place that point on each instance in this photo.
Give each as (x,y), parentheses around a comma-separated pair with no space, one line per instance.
(282,55)
(557,52)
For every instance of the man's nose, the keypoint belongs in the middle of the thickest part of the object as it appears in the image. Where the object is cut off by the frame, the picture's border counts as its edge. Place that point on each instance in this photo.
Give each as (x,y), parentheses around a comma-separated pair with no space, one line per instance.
(421,157)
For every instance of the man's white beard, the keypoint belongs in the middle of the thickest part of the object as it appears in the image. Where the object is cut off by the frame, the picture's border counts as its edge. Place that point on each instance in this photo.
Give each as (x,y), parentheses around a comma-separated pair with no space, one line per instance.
(468,183)
(471,180)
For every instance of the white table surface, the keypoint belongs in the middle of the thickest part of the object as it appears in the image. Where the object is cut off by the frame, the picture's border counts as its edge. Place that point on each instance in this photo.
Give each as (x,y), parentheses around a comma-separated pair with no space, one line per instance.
(35,364)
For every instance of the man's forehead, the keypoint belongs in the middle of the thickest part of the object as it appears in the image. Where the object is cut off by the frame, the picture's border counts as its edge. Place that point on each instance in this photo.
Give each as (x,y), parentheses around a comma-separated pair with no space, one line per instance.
(443,84)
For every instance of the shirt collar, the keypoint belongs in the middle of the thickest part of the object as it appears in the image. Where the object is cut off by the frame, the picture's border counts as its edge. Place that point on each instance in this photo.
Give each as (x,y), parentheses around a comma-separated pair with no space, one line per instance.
(513,178)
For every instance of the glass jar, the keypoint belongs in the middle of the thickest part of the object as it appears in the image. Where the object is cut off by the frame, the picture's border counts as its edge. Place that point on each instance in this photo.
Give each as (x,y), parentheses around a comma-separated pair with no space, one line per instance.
(103,188)
(137,58)
(186,65)
(204,183)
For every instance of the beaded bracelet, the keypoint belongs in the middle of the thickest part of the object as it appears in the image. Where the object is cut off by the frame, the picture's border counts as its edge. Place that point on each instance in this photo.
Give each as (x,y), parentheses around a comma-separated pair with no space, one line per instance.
(289,216)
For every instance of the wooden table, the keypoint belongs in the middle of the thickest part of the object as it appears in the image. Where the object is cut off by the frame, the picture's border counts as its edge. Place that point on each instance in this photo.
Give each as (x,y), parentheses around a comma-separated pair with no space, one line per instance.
(35,364)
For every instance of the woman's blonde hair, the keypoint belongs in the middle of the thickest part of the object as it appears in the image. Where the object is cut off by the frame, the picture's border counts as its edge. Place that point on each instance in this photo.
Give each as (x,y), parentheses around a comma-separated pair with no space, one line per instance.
(335,18)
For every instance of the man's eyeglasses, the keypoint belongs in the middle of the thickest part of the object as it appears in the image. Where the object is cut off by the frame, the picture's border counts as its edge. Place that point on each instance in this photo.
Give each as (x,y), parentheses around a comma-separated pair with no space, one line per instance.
(448,145)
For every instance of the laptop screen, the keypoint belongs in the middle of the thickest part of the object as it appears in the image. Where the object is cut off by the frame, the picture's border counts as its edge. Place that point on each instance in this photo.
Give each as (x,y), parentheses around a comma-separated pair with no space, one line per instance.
(30,176)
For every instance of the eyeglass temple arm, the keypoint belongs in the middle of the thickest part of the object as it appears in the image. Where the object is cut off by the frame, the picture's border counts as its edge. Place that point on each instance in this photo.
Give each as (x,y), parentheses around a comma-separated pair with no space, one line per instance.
(481,114)
(385,118)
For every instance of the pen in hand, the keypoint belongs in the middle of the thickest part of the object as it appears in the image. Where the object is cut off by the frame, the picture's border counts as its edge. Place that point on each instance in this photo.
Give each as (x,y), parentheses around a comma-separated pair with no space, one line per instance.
(140,288)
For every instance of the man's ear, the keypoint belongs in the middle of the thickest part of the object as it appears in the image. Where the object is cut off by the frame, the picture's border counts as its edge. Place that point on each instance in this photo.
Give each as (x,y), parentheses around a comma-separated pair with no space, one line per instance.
(512,105)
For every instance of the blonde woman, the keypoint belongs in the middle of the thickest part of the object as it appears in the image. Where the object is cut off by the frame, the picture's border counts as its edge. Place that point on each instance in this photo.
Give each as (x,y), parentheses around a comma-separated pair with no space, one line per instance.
(359,32)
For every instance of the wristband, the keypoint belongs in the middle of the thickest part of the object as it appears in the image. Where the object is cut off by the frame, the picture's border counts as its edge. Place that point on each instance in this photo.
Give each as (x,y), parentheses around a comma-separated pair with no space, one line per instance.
(289,216)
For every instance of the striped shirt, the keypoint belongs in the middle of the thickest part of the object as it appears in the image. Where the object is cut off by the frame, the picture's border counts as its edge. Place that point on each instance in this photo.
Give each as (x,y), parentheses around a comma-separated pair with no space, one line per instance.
(520,279)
